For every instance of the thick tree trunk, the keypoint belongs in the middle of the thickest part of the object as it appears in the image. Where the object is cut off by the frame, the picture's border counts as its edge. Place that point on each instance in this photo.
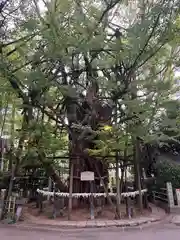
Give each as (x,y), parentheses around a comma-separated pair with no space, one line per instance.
(88,118)
(54,176)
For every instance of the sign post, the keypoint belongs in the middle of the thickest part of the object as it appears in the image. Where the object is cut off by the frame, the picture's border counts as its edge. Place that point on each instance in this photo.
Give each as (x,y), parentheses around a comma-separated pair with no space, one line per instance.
(89,176)
(170,194)
(178,196)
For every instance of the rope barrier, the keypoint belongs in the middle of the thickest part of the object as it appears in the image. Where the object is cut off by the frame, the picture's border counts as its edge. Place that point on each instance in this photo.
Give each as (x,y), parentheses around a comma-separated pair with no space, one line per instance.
(87,195)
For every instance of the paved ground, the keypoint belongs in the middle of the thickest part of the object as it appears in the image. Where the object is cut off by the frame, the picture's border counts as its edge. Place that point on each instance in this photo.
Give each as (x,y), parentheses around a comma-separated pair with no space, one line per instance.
(161,231)
(92,223)
(155,215)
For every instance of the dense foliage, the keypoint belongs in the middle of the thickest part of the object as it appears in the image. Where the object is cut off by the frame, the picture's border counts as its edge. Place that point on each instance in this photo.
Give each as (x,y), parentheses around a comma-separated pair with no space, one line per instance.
(68,68)
(168,171)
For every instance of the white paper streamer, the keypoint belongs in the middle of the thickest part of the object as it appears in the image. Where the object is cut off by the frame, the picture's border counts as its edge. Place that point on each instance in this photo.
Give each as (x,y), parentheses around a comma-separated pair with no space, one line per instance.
(86,195)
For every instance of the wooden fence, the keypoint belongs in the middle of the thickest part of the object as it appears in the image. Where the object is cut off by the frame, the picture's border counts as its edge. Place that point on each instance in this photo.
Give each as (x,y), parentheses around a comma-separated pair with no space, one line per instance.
(160,198)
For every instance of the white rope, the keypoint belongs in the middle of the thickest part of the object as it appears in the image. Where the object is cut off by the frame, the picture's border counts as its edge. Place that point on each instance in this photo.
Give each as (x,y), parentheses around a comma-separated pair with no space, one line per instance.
(86,195)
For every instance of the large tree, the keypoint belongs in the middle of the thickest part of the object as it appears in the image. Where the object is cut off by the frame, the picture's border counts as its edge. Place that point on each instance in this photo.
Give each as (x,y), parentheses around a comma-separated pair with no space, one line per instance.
(81,64)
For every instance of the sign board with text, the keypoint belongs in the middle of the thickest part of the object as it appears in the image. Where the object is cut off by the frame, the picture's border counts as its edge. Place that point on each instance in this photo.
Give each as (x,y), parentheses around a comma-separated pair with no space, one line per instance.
(87,176)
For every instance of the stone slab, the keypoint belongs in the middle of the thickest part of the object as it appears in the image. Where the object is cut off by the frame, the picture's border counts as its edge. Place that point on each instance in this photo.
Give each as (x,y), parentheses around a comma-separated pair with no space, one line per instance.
(101,224)
(110,223)
(91,223)
(81,224)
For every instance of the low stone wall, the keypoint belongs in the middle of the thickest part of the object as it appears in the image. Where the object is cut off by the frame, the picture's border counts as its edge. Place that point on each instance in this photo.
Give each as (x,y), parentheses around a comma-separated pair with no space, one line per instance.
(163,205)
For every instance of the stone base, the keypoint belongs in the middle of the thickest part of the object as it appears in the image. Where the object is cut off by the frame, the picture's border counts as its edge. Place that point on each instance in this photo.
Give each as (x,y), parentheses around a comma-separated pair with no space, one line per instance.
(175,210)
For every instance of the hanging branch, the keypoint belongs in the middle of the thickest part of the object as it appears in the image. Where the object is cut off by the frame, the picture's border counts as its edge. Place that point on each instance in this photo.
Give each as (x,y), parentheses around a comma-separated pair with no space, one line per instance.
(2,5)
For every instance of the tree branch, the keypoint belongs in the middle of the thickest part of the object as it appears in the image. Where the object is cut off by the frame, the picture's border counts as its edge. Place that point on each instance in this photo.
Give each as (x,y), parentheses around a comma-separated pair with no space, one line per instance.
(109,7)
(133,66)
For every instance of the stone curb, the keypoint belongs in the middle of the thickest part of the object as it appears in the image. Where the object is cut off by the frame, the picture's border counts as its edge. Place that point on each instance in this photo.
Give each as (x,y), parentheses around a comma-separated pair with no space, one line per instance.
(175,221)
(89,224)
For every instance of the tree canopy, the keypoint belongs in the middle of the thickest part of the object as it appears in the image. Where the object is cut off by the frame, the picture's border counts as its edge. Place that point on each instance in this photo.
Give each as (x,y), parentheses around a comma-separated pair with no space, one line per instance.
(68,68)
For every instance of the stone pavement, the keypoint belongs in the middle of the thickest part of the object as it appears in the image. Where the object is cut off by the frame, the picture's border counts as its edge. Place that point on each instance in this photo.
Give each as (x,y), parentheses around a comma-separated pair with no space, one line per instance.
(93,223)
(157,214)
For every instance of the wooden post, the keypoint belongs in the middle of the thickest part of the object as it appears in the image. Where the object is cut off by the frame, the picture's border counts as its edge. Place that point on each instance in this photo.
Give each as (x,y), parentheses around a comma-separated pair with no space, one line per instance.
(91,201)
(54,205)
(14,206)
(118,197)
(49,187)
(2,202)
(2,163)
(154,197)
(9,204)
(138,175)
(89,176)
(70,191)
